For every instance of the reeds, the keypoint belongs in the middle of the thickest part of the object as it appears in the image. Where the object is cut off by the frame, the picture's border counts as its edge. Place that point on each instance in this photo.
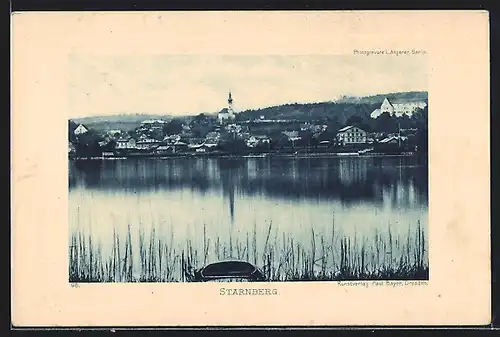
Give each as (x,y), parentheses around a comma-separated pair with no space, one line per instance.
(382,256)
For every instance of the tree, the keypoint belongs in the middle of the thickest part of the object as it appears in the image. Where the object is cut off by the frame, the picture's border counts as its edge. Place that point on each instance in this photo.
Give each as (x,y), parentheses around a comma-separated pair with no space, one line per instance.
(156,134)
(422,140)
(305,138)
(284,141)
(233,145)
(71,130)
(110,146)
(386,123)
(275,136)
(88,149)
(173,127)
(420,118)
(202,119)
(314,142)
(354,120)
(262,146)
(326,135)
(87,144)
(333,123)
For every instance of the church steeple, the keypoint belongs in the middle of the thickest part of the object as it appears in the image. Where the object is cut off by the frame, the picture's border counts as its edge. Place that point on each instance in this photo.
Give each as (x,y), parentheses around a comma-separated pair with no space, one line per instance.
(227,114)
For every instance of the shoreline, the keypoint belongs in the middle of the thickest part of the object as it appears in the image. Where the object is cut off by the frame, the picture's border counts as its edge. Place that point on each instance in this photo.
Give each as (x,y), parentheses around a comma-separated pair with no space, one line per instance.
(258,155)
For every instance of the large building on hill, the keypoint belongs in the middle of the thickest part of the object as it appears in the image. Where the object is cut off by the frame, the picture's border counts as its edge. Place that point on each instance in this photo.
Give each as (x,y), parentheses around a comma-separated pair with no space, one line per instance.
(398,109)
(227,114)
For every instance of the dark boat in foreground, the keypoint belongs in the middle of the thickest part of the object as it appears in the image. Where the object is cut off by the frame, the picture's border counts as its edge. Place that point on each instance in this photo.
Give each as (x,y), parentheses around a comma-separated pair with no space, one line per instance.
(228,270)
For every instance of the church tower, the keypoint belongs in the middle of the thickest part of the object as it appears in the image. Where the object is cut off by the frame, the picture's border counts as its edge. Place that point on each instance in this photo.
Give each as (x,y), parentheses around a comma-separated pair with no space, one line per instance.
(227,114)
(230,103)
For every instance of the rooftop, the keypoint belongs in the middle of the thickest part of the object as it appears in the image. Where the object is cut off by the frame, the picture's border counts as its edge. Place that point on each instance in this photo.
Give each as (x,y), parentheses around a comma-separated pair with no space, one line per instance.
(345,128)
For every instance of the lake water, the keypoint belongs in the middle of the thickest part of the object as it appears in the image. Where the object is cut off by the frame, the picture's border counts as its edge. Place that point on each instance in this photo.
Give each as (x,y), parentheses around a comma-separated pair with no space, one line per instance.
(208,203)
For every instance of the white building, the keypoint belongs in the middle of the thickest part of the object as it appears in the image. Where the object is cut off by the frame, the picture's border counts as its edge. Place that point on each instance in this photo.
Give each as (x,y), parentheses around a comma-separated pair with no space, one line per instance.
(398,109)
(153,121)
(255,140)
(352,135)
(293,136)
(80,130)
(227,114)
(114,133)
(125,143)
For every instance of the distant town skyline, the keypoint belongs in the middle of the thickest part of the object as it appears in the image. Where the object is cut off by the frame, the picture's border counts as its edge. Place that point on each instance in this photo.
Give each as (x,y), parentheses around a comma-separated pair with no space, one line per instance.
(189,84)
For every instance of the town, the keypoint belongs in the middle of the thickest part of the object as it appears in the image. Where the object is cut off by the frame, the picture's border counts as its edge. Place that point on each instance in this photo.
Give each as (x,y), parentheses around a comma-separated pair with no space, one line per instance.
(390,128)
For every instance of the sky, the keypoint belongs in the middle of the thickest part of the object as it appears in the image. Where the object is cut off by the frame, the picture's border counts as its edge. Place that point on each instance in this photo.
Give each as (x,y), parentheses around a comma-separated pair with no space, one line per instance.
(192,84)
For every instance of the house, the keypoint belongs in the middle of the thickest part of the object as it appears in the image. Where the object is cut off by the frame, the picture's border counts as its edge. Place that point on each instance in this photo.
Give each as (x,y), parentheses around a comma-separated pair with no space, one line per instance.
(351,135)
(287,138)
(292,135)
(125,143)
(398,109)
(71,148)
(255,140)
(233,128)
(389,140)
(195,144)
(146,141)
(153,121)
(146,144)
(179,146)
(377,135)
(114,133)
(392,143)
(252,141)
(305,126)
(186,134)
(393,140)
(103,143)
(210,144)
(262,139)
(314,128)
(80,130)
(213,136)
(163,149)
(244,135)
(170,139)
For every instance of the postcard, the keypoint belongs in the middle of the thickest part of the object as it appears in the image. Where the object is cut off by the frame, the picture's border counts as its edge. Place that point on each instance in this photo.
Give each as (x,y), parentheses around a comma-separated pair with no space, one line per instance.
(250,168)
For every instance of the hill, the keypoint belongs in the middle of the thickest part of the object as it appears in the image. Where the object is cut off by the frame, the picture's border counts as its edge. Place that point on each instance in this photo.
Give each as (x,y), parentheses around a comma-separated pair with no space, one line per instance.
(121,122)
(395,97)
(340,110)
(337,113)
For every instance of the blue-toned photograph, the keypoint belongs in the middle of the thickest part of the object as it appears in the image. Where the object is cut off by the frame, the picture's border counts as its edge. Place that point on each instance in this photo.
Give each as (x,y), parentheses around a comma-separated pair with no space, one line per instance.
(252,168)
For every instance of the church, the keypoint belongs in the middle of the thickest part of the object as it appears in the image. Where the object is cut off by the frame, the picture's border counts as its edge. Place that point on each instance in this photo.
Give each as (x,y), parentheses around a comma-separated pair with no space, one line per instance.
(226,115)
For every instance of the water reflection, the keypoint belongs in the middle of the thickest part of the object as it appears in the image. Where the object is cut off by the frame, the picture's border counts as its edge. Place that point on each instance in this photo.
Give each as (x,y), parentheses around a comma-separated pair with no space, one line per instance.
(399,181)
